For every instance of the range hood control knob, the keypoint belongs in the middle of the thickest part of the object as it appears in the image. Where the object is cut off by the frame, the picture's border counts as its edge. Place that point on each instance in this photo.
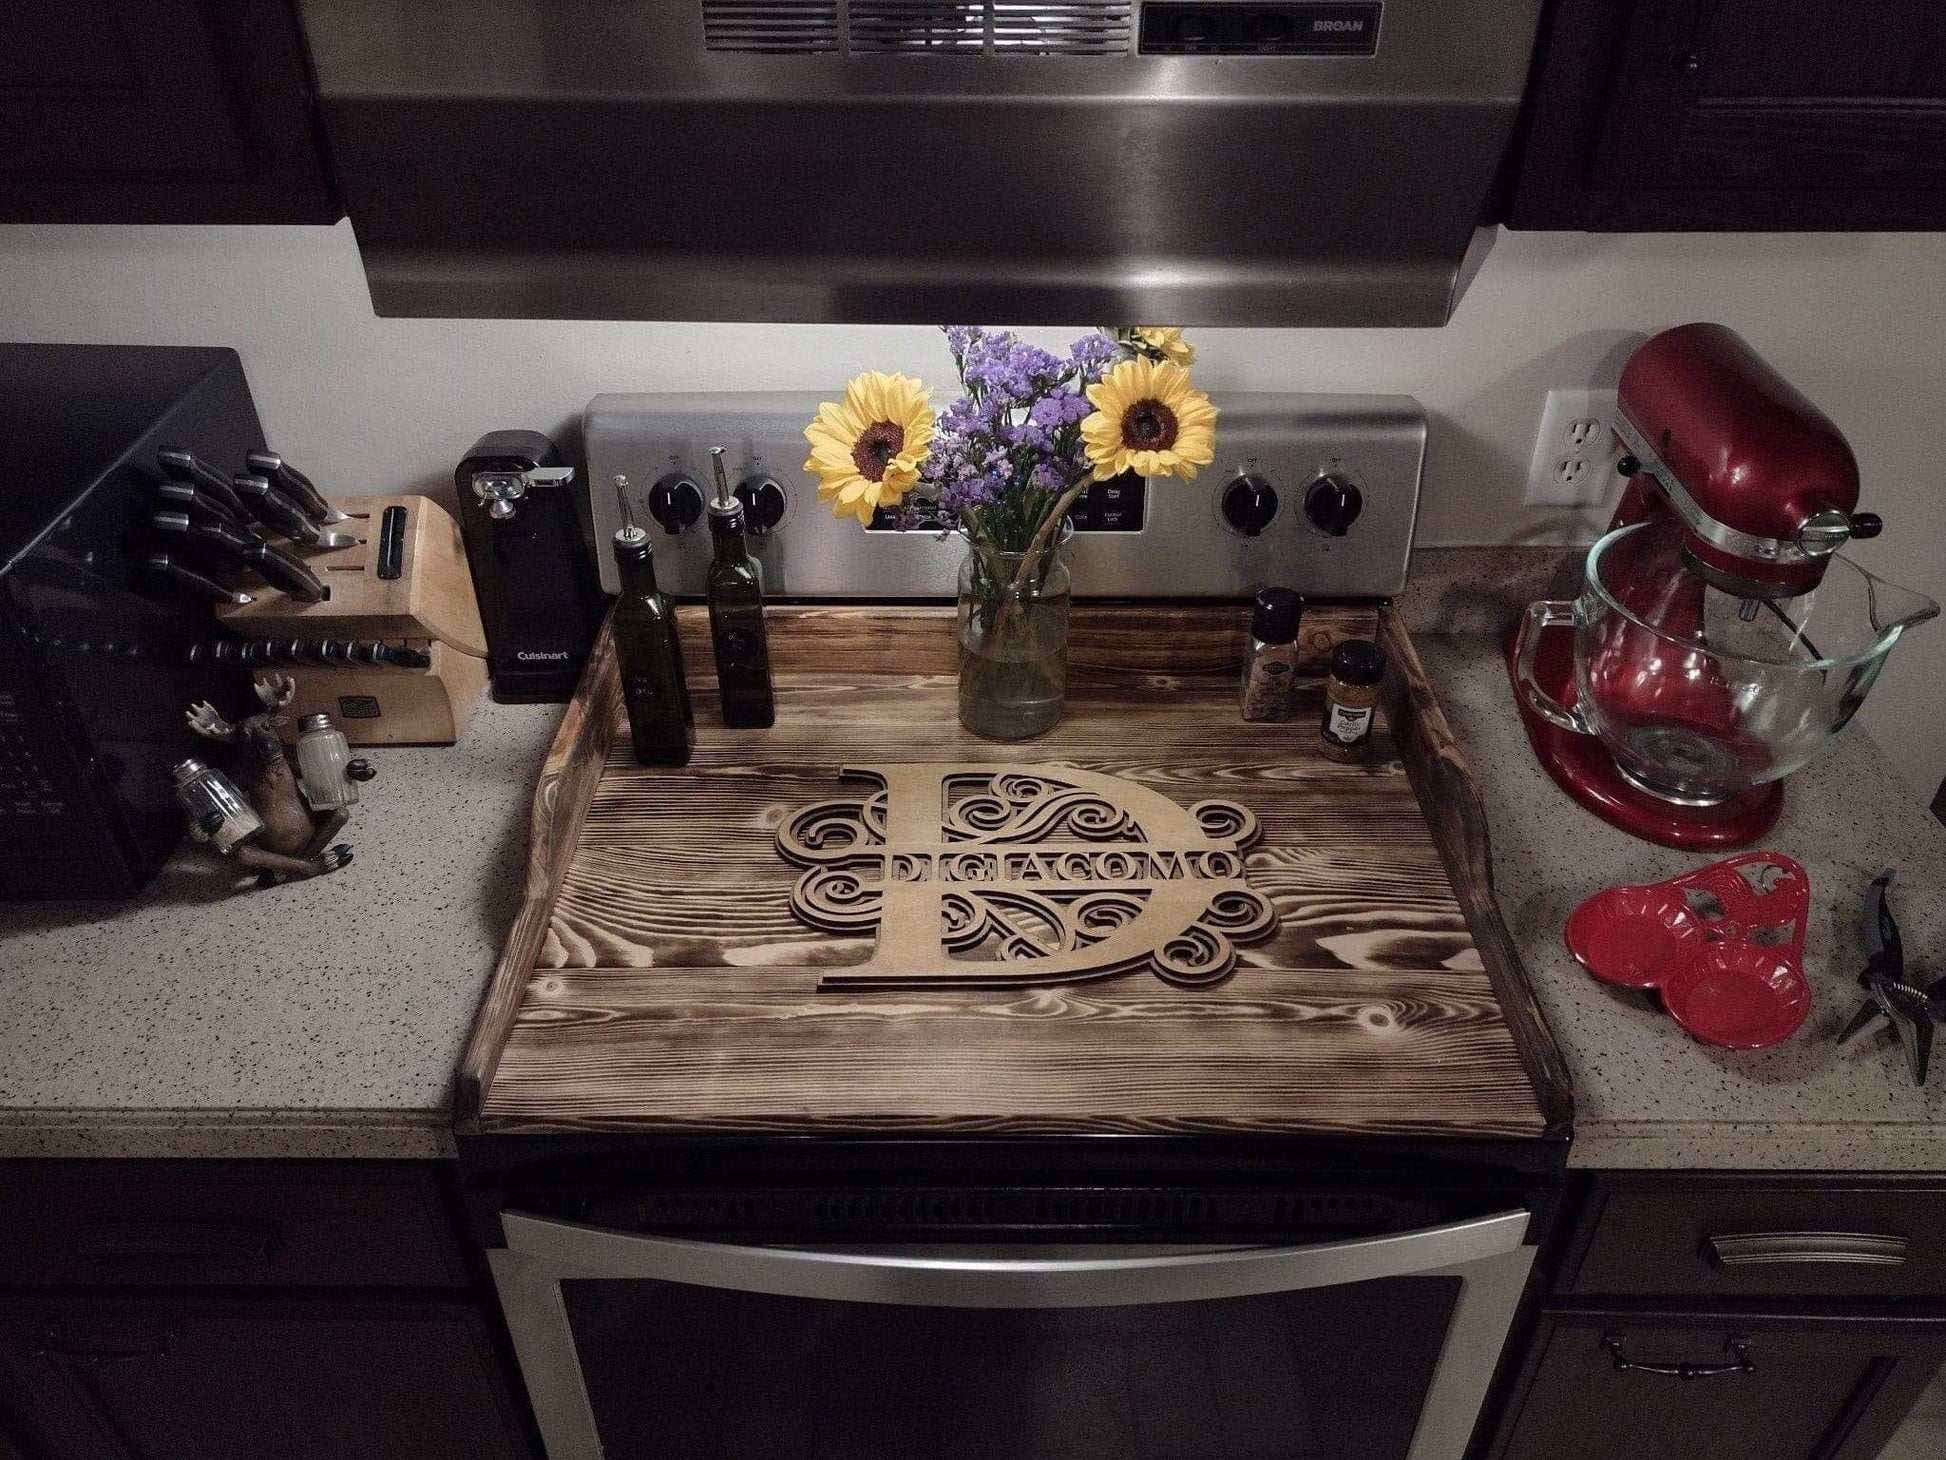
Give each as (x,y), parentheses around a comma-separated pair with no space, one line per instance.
(1332,503)
(763,503)
(676,503)
(1249,504)
(1195,30)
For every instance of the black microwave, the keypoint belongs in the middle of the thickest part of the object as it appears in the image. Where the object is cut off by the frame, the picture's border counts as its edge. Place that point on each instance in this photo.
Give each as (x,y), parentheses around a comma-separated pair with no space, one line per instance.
(95,668)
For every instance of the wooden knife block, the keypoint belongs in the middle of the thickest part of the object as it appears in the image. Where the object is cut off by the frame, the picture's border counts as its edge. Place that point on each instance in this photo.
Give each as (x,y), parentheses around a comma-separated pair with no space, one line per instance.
(429,605)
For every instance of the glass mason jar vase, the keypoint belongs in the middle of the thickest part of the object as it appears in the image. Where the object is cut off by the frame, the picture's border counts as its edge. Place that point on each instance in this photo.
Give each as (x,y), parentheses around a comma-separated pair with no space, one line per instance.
(1013,641)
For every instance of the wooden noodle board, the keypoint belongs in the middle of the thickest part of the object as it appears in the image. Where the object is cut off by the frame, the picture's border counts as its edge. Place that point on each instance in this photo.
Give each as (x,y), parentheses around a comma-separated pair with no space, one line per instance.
(657,979)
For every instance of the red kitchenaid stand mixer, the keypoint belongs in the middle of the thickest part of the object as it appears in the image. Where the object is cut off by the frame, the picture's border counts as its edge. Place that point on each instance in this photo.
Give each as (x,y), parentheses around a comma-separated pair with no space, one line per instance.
(1714,648)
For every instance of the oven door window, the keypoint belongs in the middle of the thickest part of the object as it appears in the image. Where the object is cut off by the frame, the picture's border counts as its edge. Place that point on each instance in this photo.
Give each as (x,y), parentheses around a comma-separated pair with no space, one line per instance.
(675,1371)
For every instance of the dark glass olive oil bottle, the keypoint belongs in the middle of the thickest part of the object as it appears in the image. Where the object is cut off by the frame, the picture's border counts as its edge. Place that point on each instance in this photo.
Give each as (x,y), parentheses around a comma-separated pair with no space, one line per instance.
(660,720)
(736,614)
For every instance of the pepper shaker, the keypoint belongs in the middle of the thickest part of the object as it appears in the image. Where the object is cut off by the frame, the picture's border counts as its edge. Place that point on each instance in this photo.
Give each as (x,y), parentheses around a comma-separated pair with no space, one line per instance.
(1351,697)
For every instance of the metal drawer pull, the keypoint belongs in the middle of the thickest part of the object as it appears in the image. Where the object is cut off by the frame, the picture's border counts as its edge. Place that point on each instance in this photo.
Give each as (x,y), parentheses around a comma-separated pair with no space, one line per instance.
(1737,1346)
(123,1242)
(1758,1249)
(54,1345)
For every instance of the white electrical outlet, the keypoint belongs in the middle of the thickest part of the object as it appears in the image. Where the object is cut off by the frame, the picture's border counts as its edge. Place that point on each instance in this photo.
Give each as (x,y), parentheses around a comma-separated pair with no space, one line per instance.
(1575,450)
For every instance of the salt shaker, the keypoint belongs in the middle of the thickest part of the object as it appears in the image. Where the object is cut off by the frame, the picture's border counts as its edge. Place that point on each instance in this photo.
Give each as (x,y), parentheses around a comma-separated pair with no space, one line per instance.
(326,773)
(217,811)
(1270,666)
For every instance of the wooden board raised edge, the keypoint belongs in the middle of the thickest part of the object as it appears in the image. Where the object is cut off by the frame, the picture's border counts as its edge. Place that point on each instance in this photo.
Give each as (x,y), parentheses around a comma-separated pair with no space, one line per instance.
(1457,818)
(567,784)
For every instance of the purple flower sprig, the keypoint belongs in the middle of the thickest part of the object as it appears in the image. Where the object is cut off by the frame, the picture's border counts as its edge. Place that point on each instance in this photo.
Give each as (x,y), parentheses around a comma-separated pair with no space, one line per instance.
(1005,451)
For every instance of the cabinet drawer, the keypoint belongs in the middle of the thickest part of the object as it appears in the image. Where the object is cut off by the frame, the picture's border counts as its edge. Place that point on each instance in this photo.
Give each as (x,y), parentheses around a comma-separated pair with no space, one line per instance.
(224,1223)
(1629,1386)
(1764,1238)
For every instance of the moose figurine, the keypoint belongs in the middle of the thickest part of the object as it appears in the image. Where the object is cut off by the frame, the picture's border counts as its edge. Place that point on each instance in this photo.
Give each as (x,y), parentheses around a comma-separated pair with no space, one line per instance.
(295,842)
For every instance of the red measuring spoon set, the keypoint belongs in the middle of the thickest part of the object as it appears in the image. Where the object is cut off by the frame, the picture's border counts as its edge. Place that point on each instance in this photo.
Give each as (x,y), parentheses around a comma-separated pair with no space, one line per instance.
(1724,946)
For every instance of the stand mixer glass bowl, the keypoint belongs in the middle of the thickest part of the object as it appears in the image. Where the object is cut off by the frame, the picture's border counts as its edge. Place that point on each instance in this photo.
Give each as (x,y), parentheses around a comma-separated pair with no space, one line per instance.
(1699,694)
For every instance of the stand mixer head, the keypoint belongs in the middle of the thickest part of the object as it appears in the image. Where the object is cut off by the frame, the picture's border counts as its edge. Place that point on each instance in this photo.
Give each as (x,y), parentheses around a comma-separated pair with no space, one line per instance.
(1764,486)
(1719,642)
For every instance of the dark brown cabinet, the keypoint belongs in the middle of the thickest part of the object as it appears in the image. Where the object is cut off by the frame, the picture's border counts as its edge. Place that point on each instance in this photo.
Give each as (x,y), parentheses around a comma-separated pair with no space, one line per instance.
(303,1310)
(158,111)
(1610,1386)
(1735,114)
(296,1378)
(1734,1316)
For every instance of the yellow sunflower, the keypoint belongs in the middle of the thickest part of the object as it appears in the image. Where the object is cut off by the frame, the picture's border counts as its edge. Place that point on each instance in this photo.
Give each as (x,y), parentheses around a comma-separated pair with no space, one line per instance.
(867,449)
(1165,341)
(1150,420)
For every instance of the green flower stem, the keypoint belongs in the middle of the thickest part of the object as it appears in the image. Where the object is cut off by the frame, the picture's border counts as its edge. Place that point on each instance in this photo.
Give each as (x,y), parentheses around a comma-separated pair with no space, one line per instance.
(1036,549)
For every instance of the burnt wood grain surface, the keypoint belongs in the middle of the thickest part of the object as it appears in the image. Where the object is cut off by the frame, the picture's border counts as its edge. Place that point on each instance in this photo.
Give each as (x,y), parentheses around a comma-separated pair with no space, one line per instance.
(657,980)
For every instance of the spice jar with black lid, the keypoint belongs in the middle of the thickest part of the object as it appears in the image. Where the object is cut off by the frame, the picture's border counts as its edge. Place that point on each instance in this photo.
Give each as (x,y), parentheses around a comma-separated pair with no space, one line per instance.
(1270,664)
(1351,698)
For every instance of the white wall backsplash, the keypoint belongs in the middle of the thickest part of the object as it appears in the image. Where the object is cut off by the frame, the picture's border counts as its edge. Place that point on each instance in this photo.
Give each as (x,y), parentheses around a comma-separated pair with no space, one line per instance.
(1857,321)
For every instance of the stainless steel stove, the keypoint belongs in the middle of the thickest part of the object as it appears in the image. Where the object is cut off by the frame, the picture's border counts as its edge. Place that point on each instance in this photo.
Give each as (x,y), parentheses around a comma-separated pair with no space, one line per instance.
(1316,492)
(761,1296)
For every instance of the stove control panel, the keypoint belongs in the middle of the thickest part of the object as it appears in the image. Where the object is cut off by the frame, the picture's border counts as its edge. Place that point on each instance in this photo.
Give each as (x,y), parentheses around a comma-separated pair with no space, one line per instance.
(1315,492)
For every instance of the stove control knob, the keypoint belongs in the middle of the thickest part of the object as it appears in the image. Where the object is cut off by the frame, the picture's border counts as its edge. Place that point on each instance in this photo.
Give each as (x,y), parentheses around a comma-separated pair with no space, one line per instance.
(1331,504)
(763,502)
(676,503)
(1249,504)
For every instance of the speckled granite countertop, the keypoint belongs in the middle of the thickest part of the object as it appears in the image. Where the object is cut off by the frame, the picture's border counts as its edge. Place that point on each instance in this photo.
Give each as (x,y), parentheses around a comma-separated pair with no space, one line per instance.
(323,1018)
(1646,1095)
(326,1018)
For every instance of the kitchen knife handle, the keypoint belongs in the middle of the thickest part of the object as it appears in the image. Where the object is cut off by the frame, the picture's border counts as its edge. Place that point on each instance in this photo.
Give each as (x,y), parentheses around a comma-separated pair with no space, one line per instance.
(294,483)
(276,511)
(237,540)
(188,466)
(402,656)
(196,529)
(167,567)
(190,498)
(281,570)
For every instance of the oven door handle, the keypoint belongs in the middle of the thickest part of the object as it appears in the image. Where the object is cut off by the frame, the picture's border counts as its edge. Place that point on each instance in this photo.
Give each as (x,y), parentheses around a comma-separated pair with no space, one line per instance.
(1001,1277)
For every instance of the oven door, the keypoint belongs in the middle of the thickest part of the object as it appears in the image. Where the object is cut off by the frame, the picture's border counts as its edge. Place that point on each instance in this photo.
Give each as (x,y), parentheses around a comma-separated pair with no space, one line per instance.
(649,1348)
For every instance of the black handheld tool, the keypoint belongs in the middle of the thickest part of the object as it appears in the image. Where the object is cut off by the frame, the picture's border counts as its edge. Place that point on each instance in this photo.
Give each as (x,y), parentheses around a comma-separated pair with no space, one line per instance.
(1912,1009)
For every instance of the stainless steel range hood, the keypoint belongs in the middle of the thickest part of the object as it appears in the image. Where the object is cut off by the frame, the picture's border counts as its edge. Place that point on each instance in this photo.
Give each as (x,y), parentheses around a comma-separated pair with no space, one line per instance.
(1047,161)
